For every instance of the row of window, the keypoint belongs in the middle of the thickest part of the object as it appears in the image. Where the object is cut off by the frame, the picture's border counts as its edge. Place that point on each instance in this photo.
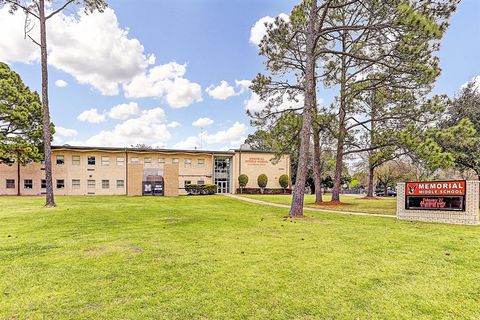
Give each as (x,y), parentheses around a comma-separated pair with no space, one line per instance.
(60,184)
(188,182)
(120,161)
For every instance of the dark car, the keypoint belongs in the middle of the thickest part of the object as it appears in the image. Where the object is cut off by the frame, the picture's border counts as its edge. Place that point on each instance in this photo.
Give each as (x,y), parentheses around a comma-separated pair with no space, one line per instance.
(390,193)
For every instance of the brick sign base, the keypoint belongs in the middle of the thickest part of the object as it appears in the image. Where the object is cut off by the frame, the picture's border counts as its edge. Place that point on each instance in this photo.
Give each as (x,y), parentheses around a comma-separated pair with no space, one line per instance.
(469,216)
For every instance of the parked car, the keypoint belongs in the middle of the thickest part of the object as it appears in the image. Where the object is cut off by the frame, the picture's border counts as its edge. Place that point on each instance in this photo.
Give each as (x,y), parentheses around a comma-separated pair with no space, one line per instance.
(390,193)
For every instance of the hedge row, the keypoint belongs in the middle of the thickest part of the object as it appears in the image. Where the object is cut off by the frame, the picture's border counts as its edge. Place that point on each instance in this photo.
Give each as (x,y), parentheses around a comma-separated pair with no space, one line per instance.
(201,189)
(265,191)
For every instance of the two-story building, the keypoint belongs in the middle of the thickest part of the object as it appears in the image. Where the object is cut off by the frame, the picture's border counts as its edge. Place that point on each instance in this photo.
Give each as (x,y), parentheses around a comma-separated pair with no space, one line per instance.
(133,171)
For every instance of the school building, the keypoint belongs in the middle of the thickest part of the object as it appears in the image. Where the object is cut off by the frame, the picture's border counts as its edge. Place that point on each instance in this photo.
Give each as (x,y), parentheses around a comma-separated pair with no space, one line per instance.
(136,172)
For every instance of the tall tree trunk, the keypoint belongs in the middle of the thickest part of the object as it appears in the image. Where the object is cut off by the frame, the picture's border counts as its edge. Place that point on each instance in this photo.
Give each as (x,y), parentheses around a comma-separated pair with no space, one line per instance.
(371,165)
(296,209)
(18,175)
(385,190)
(47,136)
(342,113)
(317,165)
(371,176)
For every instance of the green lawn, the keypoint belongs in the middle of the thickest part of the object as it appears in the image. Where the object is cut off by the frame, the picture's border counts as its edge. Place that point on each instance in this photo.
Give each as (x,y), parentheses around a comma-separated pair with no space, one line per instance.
(351,203)
(220,258)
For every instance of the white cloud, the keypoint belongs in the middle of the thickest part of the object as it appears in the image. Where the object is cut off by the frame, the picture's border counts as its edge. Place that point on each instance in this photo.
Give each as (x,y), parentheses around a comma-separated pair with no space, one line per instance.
(92,116)
(231,137)
(92,48)
(235,135)
(254,104)
(13,46)
(173,125)
(475,80)
(259,30)
(124,111)
(149,128)
(165,81)
(61,83)
(244,85)
(221,92)
(65,132)
(191,143)
(61,133)
(202,122)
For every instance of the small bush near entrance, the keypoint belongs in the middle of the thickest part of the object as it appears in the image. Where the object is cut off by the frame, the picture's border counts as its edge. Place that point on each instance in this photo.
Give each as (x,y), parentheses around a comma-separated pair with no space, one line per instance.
(242,181)
(200,189)
(284,181)
(262,181)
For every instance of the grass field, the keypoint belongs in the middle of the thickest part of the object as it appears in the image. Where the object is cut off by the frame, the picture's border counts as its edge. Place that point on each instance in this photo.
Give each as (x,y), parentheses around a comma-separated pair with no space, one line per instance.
(350,203)
(220,258)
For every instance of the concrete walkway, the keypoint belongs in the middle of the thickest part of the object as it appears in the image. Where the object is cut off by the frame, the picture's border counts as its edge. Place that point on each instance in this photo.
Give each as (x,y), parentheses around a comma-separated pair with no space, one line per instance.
(234,196)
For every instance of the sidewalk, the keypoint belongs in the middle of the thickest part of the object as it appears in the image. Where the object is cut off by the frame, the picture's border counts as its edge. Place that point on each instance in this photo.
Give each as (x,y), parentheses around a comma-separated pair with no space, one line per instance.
(234,196)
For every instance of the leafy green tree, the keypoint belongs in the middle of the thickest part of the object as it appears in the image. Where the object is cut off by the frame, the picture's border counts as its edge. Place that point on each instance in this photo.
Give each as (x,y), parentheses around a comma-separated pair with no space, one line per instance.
(465,106)
(284,181)
(262,181)
(38,10)
(399,54)
(20,119)
(242,181)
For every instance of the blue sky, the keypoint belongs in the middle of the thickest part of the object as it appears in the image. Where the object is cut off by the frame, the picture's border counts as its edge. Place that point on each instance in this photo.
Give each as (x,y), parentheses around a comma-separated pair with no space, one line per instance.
(196,44)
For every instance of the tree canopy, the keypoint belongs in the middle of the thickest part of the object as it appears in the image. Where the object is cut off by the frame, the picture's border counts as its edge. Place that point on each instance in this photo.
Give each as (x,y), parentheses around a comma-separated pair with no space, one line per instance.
(20,119)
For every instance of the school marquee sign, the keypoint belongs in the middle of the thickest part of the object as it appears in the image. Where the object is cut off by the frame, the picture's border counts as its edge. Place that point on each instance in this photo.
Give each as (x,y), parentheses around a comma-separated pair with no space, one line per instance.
(435,195)
(455,201)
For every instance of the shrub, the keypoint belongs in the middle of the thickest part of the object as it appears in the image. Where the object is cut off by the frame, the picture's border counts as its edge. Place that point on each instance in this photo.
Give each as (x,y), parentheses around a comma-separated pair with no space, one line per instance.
(284,181)
(262,181)
(242,181)
(201,189)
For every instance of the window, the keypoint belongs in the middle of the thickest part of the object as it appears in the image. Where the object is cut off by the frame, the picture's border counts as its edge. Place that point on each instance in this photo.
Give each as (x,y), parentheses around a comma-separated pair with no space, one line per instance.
(134,160)
(91,160)
(10,183)
(201,182)
(175,161)
(120,161)
(60,160)
(120,183)
(188,163)
(76,160)
(147,160)
(186,183)
(28,184)
(161,160)
(105,161)
(105,184)
(201,163)
(91,184)
(75,184)
(43,184)
(60,184)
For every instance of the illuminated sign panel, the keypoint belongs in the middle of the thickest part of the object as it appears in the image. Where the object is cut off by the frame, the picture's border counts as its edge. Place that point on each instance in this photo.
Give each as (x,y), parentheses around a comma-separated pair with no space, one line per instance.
(435,195)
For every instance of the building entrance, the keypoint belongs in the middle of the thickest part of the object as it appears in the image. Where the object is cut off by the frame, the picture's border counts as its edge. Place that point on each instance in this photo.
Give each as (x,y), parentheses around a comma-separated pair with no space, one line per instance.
(153,186)
(222,174)
(223,187)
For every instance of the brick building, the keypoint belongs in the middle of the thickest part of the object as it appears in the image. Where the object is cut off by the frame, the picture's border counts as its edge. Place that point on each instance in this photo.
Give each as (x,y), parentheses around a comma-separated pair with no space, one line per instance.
(133,171)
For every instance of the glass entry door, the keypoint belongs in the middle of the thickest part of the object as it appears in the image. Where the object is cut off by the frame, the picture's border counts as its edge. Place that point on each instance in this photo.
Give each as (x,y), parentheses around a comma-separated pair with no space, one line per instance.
(222,187)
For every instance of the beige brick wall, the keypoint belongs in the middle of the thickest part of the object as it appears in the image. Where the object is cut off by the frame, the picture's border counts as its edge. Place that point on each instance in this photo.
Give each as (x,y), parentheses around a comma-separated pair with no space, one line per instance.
(193,167)
(253,164)
(170,180)
(469,216)
(135,179)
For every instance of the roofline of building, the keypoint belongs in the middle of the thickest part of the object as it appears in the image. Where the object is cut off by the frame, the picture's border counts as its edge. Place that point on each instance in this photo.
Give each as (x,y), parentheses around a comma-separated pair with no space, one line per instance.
(154,150)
